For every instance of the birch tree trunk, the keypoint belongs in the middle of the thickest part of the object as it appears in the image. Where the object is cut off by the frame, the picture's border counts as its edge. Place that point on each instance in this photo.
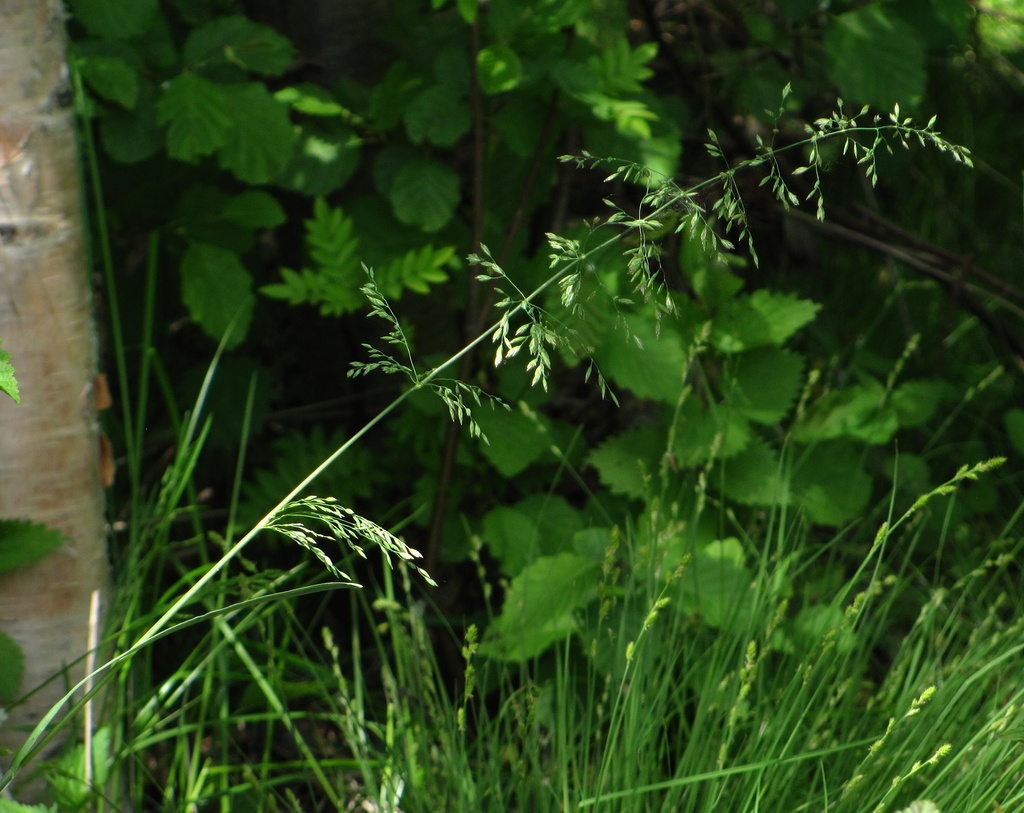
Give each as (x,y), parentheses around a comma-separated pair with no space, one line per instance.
(49,444)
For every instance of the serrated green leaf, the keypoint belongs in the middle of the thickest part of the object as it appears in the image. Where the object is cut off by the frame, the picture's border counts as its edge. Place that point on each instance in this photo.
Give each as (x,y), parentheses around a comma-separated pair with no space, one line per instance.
(12,669)
(755,477)
(858,412)
(623,460)
(391,95)
(196,112)
(8,383)
(112,78)
(917,401)
(237,40)
(311,100)
(540,607)
(875,58)
(130,136)
(23,542)
(764,383)
(256,209)
(703,432)
(829,484)
(424,194)
(716,585)
(114,19)
(499,69)
(636,358)
(217,290)
(259,145)
(514,441)
(536,526)
(438,116)
(763,318)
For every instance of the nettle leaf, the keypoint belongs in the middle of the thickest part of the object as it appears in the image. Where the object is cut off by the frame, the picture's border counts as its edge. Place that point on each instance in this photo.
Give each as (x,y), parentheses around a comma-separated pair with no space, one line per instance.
(514,440)
(23,542)
(540,607)
(536,526)
(764,384)
(438,115)
(8,383)
(916,402)
(829,484)
(237,40)
(217,290)
(755,477)
(12,671)
(114,19)
(859,412)
(424,194)
(623,461)
(636,358)
(875,58)
(763,318)
(703,432)
(716,585)
(324,158)
(196,111)
(256,209)
(111,77)
(259,145)
(499,69)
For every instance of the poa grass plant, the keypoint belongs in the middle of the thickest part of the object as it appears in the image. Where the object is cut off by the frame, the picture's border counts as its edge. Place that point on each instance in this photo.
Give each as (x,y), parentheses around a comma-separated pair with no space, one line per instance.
(788,695)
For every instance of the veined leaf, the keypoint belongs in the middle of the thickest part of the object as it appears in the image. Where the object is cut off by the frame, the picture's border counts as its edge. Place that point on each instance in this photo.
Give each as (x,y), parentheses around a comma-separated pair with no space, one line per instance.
(217,290)
(716,585)
(858,412)
(424,194)
(499,69)
(111,77)
(702,433)
(755,477)
(237,40)
(437,115)
(829,484)
(649,365)
(535,527)
(259,144)
(540,607)
(256,209)
(114,19)
(764,383)
(763,318)
(196,111)
(621,461)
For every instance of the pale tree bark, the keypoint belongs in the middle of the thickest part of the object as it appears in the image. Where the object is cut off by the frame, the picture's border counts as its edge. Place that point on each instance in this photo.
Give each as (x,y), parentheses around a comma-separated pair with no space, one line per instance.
(49,444)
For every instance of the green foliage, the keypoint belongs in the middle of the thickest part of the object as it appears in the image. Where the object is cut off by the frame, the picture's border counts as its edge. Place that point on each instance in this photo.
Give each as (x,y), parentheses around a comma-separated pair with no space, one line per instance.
(23,542)
(8,383)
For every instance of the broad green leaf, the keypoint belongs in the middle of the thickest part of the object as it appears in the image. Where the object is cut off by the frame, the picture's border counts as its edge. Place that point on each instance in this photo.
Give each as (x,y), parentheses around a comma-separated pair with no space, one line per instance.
(237,40)
(425,193)
(703,432)
(499,69)
(763,318)
(256,209)
(196,112)
(829,484)
(112,78)
(636,358)
(755,477)
(716,585)
(114,19)
(438,116)
(8,383)
(917,401)
(858,412)
(540,607)
(467,9)
(764,384)
(12,668)
(23,542)
(310,100)
(875,58)
(1013,420)
(623,461)
(259,145)
(323,158)
(70,790)
(217,290)
(708,271)
(514,440)
(392,94)
(536,526)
